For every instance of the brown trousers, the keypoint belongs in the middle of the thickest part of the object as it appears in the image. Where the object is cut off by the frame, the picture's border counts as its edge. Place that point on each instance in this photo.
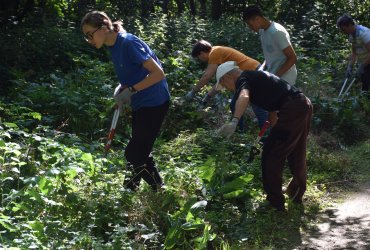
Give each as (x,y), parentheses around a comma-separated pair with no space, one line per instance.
(287,141)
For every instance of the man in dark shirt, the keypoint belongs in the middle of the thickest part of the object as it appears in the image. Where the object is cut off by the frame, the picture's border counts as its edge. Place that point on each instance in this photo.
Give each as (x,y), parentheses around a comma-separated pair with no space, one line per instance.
(288,137)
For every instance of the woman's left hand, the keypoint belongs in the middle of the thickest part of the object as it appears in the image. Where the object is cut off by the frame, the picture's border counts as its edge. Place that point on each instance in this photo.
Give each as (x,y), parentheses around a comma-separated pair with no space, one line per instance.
(122,95)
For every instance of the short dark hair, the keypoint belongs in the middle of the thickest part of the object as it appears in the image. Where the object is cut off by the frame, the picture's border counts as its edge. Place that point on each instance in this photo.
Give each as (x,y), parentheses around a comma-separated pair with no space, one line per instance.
(345,20)
(199,46)
(252,11)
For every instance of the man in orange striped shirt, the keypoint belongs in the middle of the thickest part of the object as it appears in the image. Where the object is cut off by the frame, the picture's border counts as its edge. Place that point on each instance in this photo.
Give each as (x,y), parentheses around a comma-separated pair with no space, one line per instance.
(214,56)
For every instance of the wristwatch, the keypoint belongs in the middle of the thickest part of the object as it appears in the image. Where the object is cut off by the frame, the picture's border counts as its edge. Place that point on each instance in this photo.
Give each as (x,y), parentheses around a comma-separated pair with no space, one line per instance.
(132,89)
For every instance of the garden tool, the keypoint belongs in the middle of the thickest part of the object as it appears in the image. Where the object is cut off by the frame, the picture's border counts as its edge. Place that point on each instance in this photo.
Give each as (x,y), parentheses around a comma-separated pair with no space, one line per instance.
(344,85)
(112,130)
(256,147)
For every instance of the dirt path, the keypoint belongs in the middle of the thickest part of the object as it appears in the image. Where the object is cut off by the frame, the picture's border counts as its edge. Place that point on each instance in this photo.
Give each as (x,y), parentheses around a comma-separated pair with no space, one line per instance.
(344,226)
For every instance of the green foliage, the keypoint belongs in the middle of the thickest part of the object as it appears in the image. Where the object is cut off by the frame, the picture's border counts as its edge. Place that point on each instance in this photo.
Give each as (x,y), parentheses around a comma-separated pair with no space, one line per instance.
(346,118)
(58,191)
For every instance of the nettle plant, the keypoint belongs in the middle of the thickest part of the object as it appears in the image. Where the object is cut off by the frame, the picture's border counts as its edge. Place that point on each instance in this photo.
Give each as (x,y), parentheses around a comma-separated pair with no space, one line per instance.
(346,118)
(53,191)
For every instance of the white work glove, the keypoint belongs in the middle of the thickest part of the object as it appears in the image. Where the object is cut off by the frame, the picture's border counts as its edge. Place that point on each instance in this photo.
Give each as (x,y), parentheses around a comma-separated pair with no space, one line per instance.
(228,129)
(190,95)
(349,70)
(360,70)
(122,96)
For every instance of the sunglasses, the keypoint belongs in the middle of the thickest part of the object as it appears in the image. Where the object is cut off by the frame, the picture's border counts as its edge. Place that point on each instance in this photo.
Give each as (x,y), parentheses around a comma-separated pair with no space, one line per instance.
(89,36)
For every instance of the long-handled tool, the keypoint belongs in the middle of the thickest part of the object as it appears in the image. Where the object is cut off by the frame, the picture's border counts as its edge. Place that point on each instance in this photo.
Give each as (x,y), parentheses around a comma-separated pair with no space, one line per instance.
(349,86)
(256,148)
(344,85)
(112,130)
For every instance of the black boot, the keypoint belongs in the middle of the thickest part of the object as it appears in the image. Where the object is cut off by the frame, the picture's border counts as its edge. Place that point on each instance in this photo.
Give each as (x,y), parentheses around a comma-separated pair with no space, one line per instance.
(132,181)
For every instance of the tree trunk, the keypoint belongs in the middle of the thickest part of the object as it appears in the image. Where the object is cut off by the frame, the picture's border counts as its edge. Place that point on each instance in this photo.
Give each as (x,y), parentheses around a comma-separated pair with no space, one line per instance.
(193,9)
(147,7)
(165,6)
(8,9)
(84,6)
(203,8)
(216,10)
(180,6)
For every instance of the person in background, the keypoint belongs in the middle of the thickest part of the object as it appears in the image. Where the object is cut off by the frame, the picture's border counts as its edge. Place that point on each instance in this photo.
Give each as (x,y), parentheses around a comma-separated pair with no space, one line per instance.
(359,37)
(214,56)
(280,57)
(287,140)
(142,85)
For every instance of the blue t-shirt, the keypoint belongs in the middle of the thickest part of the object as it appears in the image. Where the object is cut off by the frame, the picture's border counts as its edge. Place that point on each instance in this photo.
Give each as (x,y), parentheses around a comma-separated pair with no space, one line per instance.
(128,55)
(359,41)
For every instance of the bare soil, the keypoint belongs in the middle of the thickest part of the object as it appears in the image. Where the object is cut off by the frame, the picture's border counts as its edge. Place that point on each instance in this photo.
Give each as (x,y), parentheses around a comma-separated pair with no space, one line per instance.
(346,225)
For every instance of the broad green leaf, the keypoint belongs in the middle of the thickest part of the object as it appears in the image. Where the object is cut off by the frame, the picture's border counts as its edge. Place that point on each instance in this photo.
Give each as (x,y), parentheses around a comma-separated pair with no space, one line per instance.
(15,170)
(36,225)
(10,125)
(236,184)
(87,157)
(207,171)
(16,152)
(34,195)
(72,173)
(202,241)
(173,236)
(20,206)
(234,194)
(7,223)
(193,225)
(35,115)
(45,185)
(2,143)
(197,206)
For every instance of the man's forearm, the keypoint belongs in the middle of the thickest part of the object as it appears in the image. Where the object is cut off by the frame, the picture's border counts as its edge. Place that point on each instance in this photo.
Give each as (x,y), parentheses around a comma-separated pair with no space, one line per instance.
(240,106)
(201,83)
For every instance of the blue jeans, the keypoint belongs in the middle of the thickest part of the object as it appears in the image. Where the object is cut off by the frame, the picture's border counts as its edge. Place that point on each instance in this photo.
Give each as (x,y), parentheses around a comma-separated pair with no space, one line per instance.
(260,113)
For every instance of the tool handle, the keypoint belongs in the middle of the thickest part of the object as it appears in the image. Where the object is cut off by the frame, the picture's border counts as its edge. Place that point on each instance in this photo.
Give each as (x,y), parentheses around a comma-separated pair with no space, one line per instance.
(112,130)
(265,126)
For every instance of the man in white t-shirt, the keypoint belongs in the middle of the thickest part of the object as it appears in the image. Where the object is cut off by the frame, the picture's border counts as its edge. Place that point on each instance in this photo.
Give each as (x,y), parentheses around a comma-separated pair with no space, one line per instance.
(280,57)
(359,37)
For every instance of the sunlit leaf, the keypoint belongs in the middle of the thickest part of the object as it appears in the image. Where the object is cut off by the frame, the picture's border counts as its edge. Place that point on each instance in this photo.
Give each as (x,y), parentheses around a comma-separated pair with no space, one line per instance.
(45,185)
(172,237)
(237,183)
(35,115)
(234,194)
(10,125)
(15,170)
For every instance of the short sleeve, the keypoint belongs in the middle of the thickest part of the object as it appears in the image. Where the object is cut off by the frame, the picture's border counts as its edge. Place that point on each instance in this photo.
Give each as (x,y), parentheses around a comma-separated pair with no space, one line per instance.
(282,39)
(366,37)
(136,52)
(243,83)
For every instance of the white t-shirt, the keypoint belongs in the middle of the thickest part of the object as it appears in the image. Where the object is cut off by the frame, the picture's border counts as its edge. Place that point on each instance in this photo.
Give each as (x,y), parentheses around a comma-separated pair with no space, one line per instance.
(361,38)
(274,40)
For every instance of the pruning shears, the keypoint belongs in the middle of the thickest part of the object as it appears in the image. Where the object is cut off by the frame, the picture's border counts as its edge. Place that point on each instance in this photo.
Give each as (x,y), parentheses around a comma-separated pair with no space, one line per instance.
(344,85)
(256,148)
(112,130)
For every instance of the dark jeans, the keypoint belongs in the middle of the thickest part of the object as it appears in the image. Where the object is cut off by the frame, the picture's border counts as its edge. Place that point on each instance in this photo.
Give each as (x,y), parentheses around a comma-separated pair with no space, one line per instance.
(287,141)
(146,124)
(365,78)
(261,114)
